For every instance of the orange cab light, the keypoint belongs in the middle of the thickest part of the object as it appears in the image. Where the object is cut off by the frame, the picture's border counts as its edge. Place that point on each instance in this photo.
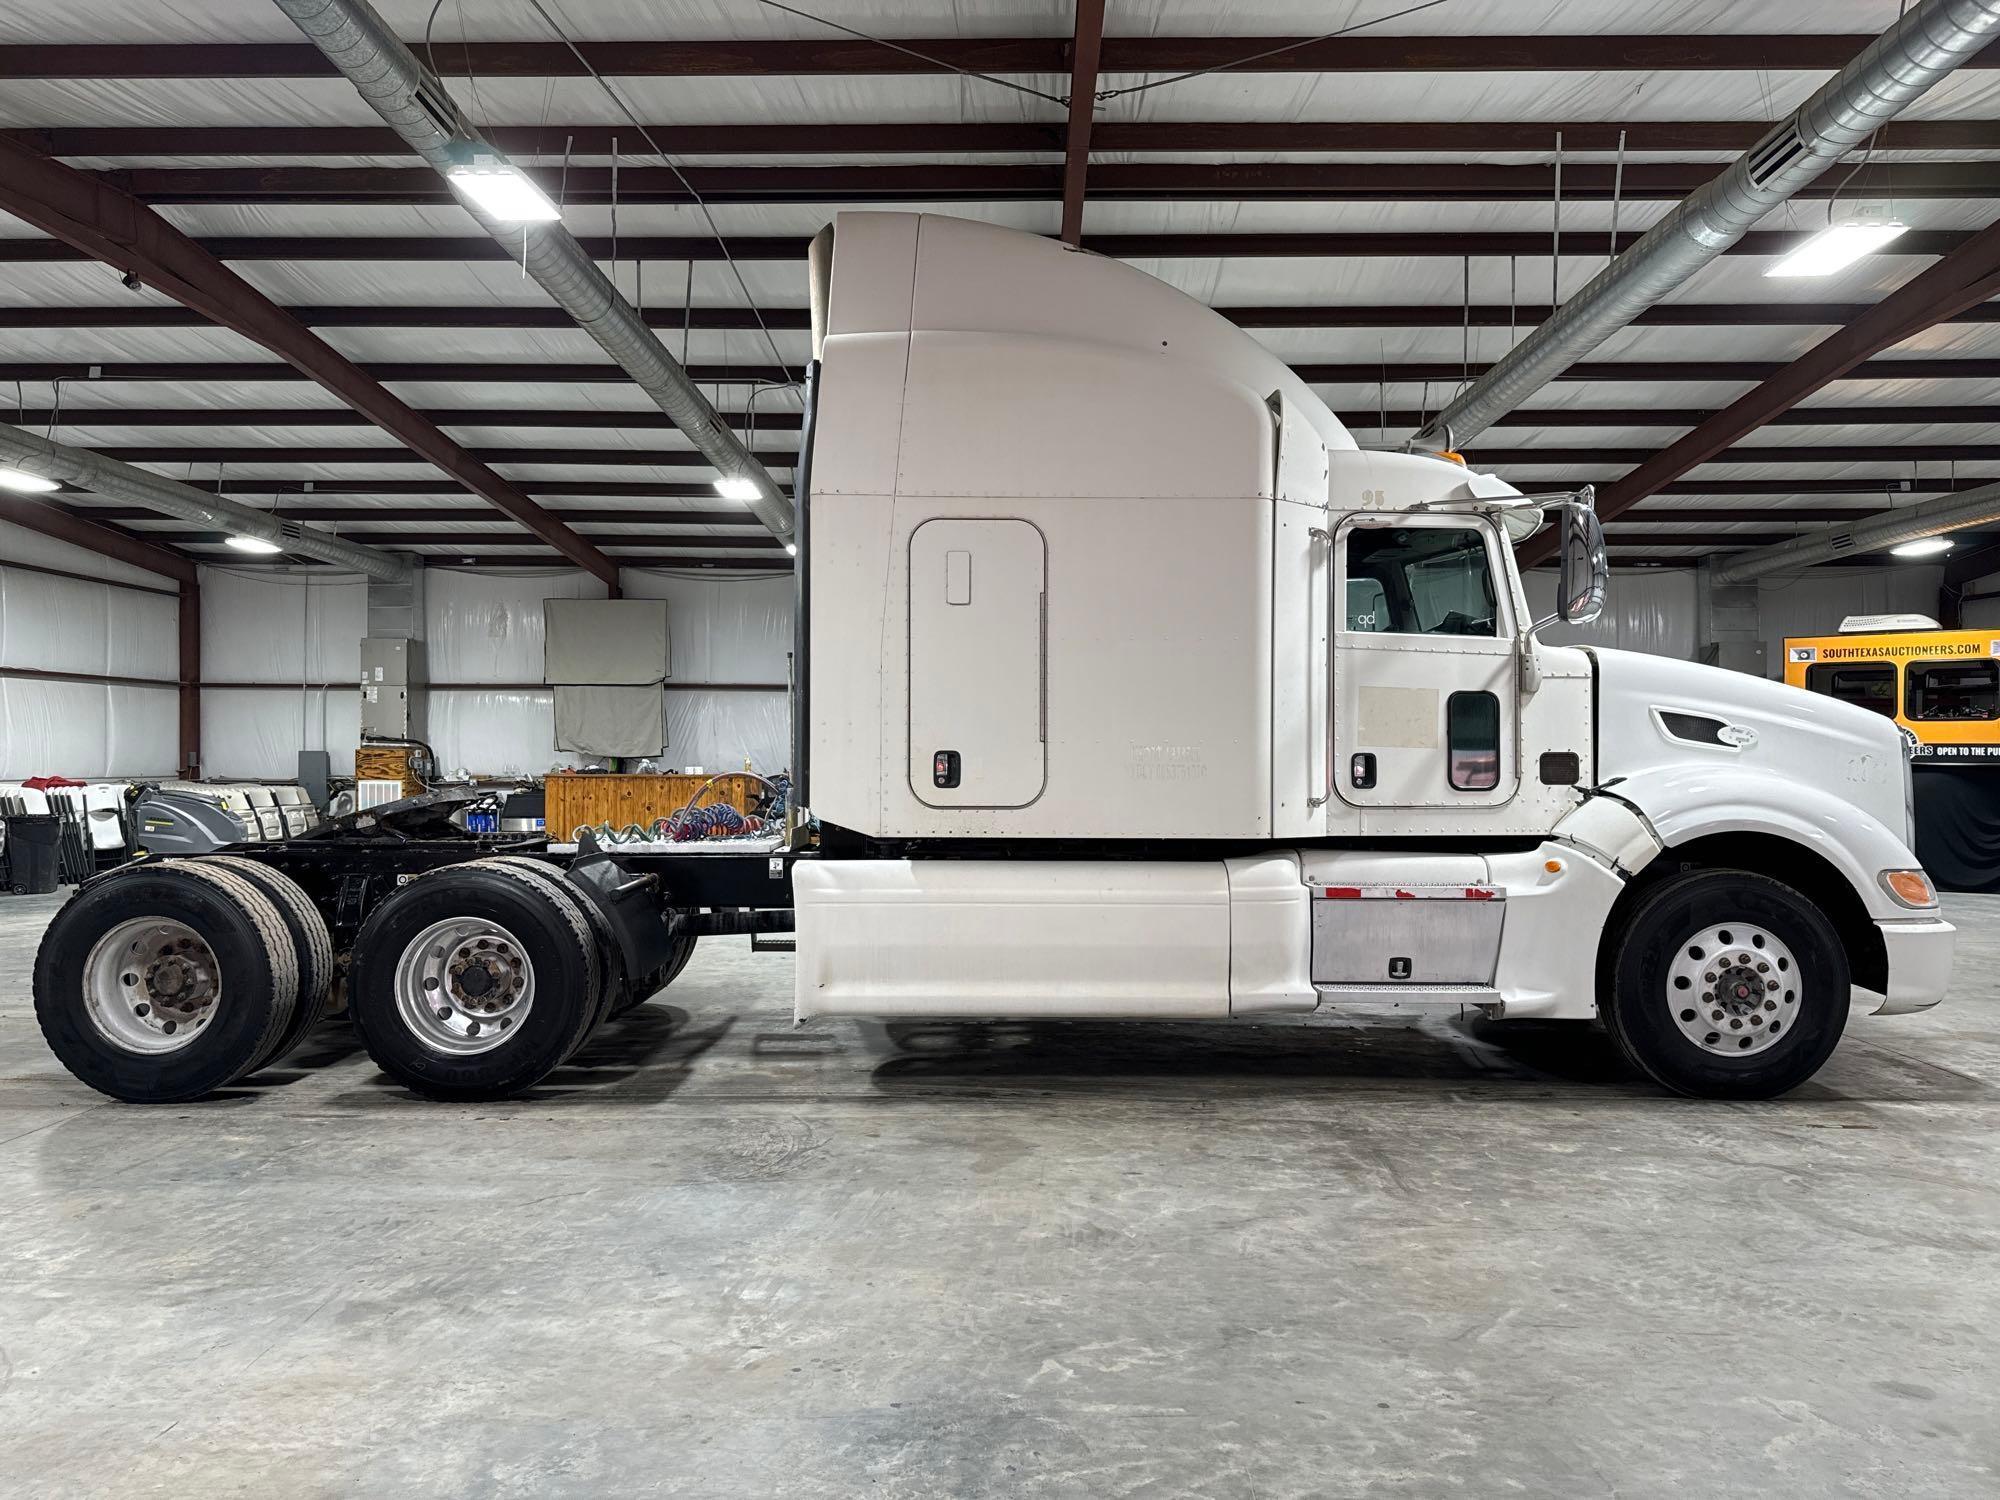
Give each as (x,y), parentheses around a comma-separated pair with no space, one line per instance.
(1457,458)
(1553,866)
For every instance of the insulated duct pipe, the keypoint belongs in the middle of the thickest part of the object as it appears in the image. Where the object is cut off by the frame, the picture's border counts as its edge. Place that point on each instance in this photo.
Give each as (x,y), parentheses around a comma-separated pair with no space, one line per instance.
(1931,518)
(360,44)
(1932,39)
(121,481)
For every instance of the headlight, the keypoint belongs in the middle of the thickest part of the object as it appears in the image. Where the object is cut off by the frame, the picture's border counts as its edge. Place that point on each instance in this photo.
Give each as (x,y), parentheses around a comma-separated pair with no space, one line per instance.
(1910,887)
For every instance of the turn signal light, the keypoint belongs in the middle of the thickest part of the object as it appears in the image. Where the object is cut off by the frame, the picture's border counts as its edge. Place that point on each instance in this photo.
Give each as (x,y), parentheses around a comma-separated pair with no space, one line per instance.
(1911,887)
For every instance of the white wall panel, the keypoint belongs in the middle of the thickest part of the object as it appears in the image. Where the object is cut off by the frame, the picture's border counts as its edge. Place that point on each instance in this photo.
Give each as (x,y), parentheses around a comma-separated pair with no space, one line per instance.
(86,730)
(487,626)
(497,731)
(719,731)
(18,544)
(1815,601)
(1645,609)
(724,629)
(281,627)
(66,625)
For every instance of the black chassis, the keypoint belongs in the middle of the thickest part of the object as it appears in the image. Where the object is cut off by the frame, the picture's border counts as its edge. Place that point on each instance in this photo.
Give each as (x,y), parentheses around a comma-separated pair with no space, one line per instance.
(349,865)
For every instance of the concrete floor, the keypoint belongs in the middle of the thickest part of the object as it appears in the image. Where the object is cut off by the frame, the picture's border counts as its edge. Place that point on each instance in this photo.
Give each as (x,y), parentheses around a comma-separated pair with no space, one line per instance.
(718,1258)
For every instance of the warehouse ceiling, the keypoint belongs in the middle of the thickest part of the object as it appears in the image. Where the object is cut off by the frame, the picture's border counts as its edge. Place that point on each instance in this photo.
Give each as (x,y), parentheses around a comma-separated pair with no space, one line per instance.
(1378,209)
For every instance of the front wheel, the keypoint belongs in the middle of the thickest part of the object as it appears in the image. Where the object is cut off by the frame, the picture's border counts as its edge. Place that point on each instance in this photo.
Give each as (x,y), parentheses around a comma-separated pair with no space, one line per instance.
(1727,985)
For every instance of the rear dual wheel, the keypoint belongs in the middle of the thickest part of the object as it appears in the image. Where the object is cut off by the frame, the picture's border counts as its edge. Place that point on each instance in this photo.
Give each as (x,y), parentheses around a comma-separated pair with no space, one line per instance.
(167,981)
(476,981)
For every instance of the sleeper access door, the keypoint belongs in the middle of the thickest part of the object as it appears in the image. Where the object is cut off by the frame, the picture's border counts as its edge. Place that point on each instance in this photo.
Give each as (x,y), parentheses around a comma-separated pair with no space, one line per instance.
(978,698)
(1424,664)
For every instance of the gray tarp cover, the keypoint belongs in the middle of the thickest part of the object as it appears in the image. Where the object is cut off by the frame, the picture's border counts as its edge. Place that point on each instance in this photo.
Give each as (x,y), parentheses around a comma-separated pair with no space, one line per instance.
(609,642)
(611,720)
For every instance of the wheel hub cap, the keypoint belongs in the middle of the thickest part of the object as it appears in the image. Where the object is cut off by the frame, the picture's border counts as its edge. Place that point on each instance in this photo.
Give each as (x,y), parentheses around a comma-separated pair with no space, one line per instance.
(1733,989)
(151,985)
(463,985)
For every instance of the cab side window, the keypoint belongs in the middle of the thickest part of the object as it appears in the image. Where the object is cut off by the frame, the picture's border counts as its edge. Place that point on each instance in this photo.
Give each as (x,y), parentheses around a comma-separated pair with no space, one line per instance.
(1420,580)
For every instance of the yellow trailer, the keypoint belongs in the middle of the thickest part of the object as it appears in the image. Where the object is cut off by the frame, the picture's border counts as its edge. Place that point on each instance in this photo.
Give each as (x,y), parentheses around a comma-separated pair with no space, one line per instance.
(1942,687)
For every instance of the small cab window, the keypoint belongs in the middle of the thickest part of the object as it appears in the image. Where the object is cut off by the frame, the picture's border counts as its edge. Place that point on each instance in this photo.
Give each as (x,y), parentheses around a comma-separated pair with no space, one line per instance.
(1952,690)
(1420,580)
(1872,687)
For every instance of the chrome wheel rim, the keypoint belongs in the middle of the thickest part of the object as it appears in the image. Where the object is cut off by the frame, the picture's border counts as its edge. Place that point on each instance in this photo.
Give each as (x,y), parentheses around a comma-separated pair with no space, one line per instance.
(151,986)
(1734,989)
(464,985)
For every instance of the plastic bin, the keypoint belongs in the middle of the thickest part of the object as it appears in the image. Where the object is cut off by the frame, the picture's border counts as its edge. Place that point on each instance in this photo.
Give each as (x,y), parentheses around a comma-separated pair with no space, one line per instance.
(32,852)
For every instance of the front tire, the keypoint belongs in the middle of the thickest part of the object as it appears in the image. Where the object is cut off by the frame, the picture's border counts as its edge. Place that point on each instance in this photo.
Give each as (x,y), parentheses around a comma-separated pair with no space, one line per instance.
(1727,985)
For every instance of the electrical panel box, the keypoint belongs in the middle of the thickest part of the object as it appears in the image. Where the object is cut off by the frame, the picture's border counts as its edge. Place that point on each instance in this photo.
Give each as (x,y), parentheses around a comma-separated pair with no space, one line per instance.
(392,688)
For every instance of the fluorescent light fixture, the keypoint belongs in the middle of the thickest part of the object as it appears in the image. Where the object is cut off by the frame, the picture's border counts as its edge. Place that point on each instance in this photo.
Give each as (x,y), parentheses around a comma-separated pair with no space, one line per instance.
(23,483)
(736,487)
(1923,546)
(502,190)
(256,544)
(1839,245)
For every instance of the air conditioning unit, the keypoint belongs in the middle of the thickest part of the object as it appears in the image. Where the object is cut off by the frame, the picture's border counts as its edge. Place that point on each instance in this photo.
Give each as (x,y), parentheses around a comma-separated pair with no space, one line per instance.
(369,794)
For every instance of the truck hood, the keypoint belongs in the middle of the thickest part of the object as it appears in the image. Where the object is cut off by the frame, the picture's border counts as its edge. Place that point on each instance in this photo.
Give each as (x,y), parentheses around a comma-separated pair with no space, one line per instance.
(1654,711)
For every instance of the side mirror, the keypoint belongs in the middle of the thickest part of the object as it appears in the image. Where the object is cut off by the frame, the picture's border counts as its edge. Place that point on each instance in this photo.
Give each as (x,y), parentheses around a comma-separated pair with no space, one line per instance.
(1581,583)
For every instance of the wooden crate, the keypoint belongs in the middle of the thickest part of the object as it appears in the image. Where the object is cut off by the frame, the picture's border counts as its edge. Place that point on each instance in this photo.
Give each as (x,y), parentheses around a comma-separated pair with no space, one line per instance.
(386,763)
(578,799)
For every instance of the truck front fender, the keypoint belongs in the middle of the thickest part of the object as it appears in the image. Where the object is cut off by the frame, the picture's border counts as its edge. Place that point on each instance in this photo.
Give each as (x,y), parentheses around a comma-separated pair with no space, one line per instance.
(1683,803)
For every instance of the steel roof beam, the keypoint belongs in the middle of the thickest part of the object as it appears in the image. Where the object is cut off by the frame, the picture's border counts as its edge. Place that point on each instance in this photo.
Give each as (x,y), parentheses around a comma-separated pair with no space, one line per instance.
(116,229)
(1085,47)
(1969,275)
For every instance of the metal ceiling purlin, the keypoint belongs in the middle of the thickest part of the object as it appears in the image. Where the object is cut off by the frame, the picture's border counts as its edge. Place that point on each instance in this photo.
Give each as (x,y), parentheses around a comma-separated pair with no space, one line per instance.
(117,229)
(795,319)
(1360,374)
(1015,182)
(1388,245)
(816,56)
(1969,275)
(930,138)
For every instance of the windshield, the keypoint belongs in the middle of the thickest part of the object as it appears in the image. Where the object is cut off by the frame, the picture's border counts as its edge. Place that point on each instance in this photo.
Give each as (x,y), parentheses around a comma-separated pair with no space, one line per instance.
(1427,580)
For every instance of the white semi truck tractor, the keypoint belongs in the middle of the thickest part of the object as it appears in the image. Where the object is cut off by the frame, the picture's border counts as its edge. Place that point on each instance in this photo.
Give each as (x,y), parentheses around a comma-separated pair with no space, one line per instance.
(1127,686)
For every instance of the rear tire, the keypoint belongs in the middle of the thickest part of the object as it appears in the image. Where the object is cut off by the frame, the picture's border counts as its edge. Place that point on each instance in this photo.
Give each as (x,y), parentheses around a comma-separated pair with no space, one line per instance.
(165,983)
(312,943)
(1727,985)
(474,982)
(652,984)
(611,960)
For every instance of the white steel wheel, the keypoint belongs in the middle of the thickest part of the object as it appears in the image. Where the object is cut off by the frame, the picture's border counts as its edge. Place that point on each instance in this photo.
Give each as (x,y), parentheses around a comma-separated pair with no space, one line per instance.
(150,985)
(462,985)
(1734,989)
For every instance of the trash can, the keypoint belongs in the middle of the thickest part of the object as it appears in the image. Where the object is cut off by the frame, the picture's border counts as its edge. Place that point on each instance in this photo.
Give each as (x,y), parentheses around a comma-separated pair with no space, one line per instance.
(32,849)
